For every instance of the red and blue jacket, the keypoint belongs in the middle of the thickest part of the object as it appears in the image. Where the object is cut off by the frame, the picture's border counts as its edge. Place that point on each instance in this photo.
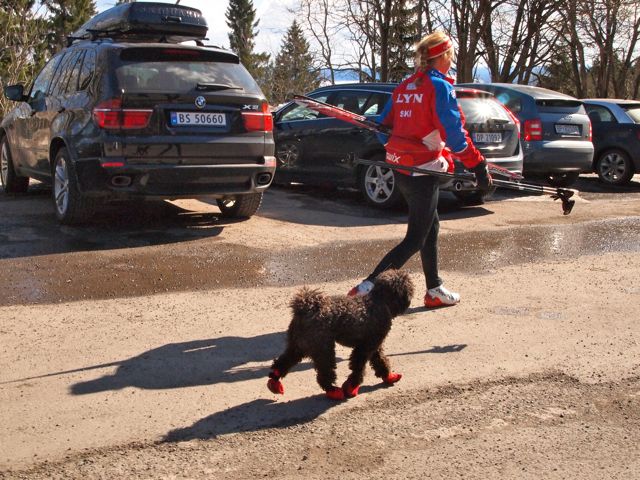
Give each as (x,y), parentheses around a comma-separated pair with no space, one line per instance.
(425,118)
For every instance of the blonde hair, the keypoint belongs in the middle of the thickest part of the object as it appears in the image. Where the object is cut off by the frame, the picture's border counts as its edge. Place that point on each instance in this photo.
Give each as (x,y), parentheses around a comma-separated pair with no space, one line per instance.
(422,60)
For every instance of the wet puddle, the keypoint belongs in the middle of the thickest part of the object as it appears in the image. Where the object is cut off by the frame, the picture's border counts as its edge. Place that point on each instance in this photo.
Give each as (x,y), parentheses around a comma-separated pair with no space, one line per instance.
(125,273)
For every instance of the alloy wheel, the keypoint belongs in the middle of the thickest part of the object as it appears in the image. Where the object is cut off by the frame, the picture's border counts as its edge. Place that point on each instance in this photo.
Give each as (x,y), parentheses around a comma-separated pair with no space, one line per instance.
(61,186)
(4,164)
(613,167)
(288,154)
(379,183)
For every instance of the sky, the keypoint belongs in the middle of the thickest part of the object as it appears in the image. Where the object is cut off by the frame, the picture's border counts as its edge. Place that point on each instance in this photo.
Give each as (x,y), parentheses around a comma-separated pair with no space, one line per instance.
(272,14)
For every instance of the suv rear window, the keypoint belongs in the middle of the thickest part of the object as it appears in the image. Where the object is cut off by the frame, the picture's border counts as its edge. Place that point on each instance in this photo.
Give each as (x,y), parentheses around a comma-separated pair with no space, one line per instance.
(181,70)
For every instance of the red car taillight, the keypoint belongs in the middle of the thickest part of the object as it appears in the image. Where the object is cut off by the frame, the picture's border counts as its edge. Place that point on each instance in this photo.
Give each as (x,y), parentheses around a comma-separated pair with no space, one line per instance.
(515,120)
(111,116)
(532,130)
(591,132)
(258,121)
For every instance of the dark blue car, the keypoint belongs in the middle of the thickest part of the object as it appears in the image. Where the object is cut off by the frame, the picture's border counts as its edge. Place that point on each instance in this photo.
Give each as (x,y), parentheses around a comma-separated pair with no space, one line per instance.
(314,149)
(616,138)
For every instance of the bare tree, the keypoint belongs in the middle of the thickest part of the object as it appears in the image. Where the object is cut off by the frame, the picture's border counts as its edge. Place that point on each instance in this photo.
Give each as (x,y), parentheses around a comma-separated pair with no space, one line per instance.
(520,38)
(323,23)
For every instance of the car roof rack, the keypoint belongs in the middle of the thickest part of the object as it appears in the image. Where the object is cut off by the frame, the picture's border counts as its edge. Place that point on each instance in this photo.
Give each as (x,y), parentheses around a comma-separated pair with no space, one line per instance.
(144,22)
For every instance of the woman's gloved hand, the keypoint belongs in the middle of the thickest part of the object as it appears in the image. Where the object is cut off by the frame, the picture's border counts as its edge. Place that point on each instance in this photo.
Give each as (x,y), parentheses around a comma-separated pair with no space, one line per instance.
(483,178)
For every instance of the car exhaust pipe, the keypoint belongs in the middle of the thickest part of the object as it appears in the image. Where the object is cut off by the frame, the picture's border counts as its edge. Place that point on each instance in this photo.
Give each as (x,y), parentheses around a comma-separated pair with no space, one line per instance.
(121,181)
(457,186)
(263,178)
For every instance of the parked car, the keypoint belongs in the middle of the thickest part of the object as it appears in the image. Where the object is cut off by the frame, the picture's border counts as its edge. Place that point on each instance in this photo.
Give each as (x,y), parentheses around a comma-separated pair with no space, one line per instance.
(313,148)
(616,138)
(123,112)
(555,127)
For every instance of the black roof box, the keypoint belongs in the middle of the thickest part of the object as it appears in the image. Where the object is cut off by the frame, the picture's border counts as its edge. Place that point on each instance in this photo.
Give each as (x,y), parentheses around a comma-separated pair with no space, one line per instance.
(145,22)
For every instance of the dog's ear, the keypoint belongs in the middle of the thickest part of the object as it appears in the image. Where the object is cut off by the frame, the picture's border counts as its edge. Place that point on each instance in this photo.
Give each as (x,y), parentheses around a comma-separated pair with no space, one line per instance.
(395,289)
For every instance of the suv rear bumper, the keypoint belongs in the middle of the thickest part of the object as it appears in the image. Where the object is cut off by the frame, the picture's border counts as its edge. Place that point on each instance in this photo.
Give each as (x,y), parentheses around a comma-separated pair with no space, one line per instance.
(171,181)
(558,156)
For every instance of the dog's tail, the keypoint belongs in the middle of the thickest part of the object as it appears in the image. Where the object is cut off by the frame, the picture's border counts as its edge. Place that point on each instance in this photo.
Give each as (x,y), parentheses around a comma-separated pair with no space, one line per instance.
(308,300)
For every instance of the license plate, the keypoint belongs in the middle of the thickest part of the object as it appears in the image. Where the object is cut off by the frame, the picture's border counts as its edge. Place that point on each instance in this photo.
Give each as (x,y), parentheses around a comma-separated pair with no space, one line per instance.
(206,119)
(567,129)
(481,137)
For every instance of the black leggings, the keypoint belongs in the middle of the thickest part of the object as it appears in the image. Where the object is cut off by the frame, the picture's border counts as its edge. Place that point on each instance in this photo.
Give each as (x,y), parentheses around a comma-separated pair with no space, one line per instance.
(421,193)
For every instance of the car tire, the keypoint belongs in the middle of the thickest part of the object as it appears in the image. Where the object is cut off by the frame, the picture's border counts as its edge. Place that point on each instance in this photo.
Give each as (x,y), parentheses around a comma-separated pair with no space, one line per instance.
(71,207)
(11,181)
(564,179)
(474,198)
(614,167)
(378,185)
(240,206)
(288,153)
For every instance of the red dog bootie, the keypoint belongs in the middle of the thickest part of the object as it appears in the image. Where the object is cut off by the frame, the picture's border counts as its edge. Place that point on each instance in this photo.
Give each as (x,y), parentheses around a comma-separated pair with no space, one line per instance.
(392,378)
(349,390)
(335,393)
(274,384)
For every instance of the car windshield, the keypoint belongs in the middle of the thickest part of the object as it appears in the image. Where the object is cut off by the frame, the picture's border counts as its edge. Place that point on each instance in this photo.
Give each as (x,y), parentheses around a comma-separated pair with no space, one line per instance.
(181,70)
(481,110)
(633,111)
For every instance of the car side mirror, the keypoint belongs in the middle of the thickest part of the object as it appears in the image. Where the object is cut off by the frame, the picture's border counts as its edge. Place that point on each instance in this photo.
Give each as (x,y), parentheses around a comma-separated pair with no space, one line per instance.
(14,92)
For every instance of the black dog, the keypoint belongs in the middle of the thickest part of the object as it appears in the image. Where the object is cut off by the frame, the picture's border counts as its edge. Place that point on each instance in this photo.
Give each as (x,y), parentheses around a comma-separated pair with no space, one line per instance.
(361,323)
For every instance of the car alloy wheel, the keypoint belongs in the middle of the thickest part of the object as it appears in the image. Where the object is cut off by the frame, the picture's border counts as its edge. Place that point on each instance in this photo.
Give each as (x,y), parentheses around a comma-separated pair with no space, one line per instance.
(9,180)
(614,168)
(379,183)
(61,186)
(4,163)
(288,154)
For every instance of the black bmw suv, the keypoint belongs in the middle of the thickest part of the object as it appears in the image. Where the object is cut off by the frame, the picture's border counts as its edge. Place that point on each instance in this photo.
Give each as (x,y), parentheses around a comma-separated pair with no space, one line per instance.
(129,110)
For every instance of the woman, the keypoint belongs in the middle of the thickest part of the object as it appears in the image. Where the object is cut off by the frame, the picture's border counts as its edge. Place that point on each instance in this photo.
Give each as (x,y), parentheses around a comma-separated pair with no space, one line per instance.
(425,118)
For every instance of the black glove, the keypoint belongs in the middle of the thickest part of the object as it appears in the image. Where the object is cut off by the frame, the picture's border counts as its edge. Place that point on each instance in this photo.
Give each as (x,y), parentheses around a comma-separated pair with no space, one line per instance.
(483,178)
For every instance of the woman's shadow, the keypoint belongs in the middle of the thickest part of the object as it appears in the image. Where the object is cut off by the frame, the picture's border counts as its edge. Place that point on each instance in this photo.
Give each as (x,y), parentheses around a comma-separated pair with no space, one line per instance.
(186,364)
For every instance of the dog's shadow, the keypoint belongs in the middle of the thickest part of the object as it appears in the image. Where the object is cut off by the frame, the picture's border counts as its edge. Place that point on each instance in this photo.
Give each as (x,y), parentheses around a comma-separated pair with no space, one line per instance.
(186,364)
(252,416)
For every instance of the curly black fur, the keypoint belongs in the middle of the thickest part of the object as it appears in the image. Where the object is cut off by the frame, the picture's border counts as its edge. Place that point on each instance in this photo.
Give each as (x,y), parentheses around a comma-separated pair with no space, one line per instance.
(361,323)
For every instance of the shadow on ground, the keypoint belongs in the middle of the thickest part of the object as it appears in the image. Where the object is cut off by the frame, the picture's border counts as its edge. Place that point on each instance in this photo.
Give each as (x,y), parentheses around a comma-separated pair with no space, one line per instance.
(187,364)
(263,413)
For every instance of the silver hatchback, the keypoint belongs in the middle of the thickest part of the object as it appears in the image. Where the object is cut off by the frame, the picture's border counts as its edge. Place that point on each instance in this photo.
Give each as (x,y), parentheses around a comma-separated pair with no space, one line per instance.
(556,131)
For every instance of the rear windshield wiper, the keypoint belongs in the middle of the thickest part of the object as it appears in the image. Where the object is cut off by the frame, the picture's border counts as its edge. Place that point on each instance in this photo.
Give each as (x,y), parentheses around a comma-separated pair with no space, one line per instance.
(210,87)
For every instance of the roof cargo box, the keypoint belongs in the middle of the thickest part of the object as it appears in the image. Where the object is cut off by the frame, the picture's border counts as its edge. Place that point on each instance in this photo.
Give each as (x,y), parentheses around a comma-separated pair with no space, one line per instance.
(145,22)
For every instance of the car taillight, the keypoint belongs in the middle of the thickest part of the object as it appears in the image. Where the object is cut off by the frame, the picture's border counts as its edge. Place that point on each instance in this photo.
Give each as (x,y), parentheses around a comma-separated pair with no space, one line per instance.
(258,121)
(591,132)
(532,130)
(515,120)
(111,116)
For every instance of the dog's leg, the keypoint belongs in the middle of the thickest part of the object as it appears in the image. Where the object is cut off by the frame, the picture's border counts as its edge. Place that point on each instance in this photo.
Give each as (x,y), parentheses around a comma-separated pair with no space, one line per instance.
(382,367)
(324,361)
(357,361)
(281,367)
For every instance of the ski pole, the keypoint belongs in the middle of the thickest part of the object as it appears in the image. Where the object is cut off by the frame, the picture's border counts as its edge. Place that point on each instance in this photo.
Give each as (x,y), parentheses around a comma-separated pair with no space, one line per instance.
(364,122)
(562,194)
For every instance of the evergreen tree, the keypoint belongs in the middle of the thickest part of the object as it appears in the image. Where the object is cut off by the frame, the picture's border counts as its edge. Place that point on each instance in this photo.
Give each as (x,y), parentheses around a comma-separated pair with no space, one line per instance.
(241,20)
(293,71)
(403,36)
(66,17)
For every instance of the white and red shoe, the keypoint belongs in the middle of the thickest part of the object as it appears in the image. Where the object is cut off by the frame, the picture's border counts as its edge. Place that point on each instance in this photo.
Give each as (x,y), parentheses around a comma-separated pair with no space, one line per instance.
(440,297)
(362,289)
